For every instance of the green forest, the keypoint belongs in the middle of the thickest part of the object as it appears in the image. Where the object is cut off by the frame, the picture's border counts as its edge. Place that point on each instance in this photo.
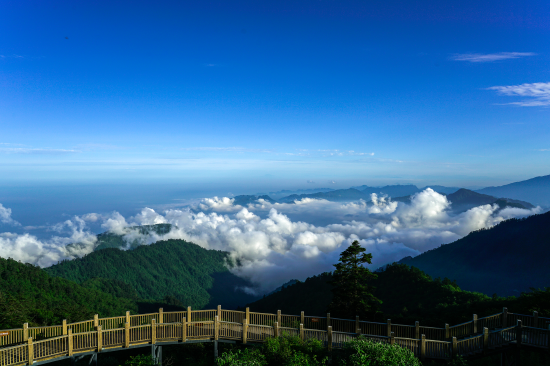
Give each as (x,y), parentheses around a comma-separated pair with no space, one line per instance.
(29,294)
(193,275)
(408,295)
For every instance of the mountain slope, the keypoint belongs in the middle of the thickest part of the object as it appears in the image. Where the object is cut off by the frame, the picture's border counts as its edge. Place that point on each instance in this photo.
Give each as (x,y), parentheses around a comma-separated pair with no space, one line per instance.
(535,190)
(195,276)
(244,200)
(30,294)
(506,259)
(111,240)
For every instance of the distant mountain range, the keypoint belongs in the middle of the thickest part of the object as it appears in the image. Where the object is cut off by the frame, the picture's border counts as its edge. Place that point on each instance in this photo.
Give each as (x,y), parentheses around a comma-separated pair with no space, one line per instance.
(506,259)
(464,199)
(535,190)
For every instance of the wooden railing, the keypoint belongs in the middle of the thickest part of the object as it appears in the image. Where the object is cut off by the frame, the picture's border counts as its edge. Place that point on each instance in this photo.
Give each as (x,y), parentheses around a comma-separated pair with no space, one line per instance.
(28,345)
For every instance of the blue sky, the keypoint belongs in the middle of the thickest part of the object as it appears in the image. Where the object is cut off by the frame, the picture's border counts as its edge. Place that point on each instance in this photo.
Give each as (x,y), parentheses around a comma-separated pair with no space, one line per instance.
(274,94)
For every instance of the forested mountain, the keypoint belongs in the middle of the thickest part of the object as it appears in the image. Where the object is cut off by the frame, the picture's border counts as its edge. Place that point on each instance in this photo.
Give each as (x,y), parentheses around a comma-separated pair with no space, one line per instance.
(111,240)
(194,276)
(535,190)
(30,294)
(507,259)
(407,295)
(244,200)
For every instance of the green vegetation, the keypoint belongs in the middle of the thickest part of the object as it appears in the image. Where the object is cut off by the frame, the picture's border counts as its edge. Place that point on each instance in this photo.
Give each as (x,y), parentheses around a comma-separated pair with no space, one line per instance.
(352,294)
(292,351)
(363,351)
(29,294)
(407,295)
(110,240)
(194,276)
(282,351)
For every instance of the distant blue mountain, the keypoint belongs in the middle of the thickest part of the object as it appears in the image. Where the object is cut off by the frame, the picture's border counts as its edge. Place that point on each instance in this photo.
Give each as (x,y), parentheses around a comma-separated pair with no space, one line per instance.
(534,190)
(337,195)
(394,190)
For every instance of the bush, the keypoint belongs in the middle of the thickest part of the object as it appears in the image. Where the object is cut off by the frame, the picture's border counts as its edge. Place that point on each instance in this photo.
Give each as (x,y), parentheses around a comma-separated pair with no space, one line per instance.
(139,360)
(291,350)
(246,357)
(364,352)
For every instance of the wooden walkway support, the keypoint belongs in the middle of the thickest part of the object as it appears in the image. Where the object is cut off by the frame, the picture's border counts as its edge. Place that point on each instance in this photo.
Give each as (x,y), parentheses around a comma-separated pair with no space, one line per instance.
(495,333)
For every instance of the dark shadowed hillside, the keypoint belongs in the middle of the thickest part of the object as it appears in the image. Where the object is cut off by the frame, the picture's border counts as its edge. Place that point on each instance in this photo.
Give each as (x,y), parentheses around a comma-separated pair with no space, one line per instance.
(506,259)
(407,295)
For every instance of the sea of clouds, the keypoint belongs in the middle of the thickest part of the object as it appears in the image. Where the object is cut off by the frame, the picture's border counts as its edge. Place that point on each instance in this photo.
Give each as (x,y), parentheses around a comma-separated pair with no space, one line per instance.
(274,242)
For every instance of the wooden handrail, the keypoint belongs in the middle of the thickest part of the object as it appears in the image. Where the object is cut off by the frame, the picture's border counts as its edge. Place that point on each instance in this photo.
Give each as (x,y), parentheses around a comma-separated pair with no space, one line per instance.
(98,339)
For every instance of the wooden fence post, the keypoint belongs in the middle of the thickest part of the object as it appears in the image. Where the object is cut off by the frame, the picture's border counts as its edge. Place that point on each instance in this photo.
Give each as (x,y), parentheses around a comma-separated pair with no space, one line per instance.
(96,320)
(31,351)
(357,325)
(64,327)
(276,330)
(99,338)
(485,339)
(447,331)
(301,331)
(25,332)
(328,320)
(518,333)
(219,313)
(127,335)
(161,315)
(422,347)
(392,339)
(504,317)
(329,338)
(455,347)
(475,323)
(247,315)
(216,328)
(417,329)
(70,341)
(279,317)
(535,319)
(245,330)
(302,317)
(153,331)
(184,330)
(388,333)
(189,319)
(128,317)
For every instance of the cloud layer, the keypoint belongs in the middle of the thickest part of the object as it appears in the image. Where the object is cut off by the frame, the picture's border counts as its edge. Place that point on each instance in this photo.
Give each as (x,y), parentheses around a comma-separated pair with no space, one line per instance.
(277,242)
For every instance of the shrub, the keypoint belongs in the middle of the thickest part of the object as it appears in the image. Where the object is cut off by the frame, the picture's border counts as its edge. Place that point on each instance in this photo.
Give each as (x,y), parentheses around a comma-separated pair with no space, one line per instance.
(365,352)
(246,357)
(139,360)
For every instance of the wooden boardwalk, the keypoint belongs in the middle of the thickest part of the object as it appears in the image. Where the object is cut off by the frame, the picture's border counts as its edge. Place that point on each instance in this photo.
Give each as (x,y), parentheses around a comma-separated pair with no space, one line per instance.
(26,346)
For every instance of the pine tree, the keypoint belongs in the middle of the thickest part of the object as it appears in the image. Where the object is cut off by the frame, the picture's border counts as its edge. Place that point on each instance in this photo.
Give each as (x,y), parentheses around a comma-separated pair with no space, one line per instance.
(352,294)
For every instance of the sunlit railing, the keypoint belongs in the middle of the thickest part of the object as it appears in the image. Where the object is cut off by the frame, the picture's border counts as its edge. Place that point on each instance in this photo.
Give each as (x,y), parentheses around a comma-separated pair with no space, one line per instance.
(477,336)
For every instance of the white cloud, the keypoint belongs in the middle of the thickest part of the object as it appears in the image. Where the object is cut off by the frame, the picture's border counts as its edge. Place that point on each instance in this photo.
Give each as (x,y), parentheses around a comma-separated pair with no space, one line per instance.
(538,92)
(490,57)
(276,242)
(5,216)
